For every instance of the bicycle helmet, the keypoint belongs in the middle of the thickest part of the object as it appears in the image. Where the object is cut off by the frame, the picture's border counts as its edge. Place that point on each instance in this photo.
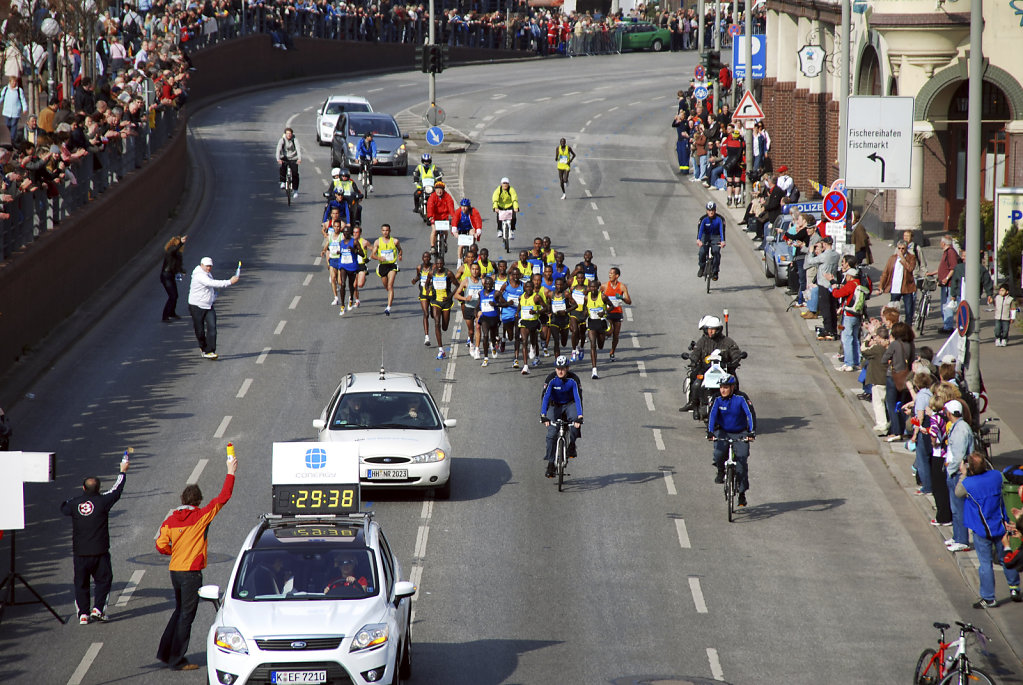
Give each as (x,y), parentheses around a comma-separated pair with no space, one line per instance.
(426,158)
(505,180)
(729,380)
(335,172)
(345,173)
(561,362)
(465,202)
(712,205)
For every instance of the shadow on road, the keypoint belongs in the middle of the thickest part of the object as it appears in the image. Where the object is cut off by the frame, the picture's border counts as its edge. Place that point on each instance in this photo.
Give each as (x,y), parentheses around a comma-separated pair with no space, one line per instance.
(483,662)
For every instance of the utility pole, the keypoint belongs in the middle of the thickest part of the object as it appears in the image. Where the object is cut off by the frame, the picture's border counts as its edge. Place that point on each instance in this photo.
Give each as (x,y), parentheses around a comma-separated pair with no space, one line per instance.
(717,48)
(735,20)
(843,97)
(748,83)
(702,11)
(433,41)
(973,161)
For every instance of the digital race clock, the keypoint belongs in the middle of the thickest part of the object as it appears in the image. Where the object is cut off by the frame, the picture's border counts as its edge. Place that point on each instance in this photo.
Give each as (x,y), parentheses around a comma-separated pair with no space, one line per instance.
(315,499)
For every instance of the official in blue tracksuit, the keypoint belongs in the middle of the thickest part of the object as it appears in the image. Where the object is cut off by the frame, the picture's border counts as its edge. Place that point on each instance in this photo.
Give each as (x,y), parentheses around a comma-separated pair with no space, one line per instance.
(710,237)
(984,514)
(684,130)
(731,418)
(561,400)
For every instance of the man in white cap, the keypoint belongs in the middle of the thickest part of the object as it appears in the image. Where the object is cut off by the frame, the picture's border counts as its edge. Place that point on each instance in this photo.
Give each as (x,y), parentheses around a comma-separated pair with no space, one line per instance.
(506,198)
(201,295)
(960,444)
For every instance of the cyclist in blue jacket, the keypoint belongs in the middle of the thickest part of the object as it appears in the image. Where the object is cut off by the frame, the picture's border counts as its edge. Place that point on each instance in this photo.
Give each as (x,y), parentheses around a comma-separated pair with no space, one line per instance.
(561,400)
(366,151)
(731,418)
(710,237)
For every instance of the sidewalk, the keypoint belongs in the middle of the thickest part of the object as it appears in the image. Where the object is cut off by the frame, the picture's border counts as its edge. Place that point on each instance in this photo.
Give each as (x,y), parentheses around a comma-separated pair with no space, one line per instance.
(1002,371)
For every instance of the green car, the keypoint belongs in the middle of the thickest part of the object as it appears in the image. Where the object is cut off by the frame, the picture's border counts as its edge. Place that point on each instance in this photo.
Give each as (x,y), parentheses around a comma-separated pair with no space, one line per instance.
(642,35)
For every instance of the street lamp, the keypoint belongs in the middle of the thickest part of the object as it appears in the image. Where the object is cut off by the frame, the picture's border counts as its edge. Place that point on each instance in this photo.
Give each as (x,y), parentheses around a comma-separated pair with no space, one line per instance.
(50,29)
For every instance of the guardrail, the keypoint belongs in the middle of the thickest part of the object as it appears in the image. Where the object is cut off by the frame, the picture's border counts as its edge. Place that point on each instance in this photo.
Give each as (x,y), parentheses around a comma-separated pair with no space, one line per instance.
(32,214)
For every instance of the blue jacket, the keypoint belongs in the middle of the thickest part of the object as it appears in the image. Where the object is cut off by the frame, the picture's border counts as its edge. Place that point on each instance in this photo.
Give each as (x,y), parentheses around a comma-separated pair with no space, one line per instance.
(361,150)
(732,415)
(984,504)
(711,229)
(562,391)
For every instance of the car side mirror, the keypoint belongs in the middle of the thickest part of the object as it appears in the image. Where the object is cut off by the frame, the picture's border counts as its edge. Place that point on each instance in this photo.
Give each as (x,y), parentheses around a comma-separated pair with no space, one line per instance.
(319,424)
(404,136)
(685,355)
(403,589)
(211,593)
(450,423)
(743,355)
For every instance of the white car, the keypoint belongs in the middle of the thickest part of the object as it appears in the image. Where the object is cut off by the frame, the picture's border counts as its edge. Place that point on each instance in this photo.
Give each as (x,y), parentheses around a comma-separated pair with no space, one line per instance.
(312,601)
(331,108)
(401,435)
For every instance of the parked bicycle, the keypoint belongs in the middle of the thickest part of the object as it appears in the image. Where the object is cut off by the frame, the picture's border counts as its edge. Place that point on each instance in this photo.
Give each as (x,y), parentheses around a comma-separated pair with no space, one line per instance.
(950,665)
(924,286)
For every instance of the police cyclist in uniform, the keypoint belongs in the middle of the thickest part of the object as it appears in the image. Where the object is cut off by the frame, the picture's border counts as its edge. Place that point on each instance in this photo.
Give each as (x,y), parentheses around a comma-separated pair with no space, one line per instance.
(562,399)
(713,338)
(731,418)
(710,237)
(506,198)
(366,151)
(289,154)
(426,169)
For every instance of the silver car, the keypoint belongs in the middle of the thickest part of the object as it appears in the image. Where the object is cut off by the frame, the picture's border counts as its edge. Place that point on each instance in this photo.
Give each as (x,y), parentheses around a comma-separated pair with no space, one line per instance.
(352,126)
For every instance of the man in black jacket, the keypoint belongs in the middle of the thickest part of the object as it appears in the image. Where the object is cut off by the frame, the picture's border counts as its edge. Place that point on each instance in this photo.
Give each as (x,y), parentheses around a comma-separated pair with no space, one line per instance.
(90,542)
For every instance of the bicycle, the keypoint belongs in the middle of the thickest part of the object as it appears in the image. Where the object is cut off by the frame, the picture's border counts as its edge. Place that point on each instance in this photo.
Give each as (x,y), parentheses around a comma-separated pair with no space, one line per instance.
(442,228)
(938,668)
(925,286)
(504,220)
(561,451)
(707,275)
(731,480)
(288,190)
(365,176)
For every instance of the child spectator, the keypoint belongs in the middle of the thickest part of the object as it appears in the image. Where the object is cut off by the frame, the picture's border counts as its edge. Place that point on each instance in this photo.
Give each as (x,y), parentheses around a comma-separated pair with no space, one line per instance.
(1005,313)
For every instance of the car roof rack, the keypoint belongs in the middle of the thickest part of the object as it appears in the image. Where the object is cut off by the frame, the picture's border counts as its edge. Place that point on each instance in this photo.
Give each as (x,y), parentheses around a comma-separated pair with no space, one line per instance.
(279,520)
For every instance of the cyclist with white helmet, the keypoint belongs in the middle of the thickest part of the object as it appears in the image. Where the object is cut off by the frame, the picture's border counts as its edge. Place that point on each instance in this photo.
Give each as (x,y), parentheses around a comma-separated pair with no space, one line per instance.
(426,169)
(562,399)
(710,237)
(713,338)
(732,418)
(506,198)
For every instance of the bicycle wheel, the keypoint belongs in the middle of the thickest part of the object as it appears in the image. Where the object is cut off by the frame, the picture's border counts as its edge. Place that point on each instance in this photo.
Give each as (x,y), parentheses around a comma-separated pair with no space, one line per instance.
(707,278)
(287,188)
(560,457)
(928,668)
(505,230)
(974,677)
(730,490)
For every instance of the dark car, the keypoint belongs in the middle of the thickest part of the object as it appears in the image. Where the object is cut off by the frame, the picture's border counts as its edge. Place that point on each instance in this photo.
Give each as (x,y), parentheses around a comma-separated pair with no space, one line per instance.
(352,126)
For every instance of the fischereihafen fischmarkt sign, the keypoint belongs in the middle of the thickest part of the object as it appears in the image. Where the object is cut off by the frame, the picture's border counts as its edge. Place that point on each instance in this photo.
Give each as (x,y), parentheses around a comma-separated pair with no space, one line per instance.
(879,142)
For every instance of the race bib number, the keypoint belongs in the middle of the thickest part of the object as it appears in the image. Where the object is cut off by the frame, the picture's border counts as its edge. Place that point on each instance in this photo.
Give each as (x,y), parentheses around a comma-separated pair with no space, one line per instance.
(346,257)
(335,250)
(563,159)
(558,306)
(596,312)
(440,283)
(388,255)
(537,269)
(513,301)
(615,302)
(487,306)
(442,225)
(527,312)
(578,296)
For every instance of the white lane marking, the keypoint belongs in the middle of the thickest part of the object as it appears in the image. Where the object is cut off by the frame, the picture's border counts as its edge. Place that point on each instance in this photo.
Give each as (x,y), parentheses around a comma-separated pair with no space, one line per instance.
(374,90)
(488,117)
(635,340)
(291,119)
(683,534)
(421,537)
(613,252)
(541,100)
(317,261)
(694,587)
(600,221)
(586,102)
(637,102)
(197,471)
(294,302)
(613,108)
(669,483)
(498,96)
(582,130)
(581,180)
(427,509)
(451,367)
(129,589)
(318,170)
(246,384)
(589,121)
(649,400)
(574,92)
(90,655)
(589,194)
(500,111)
(262,355)
(628,313)
(642,369)
(445,397)
(715,664)
(222,428)
(598,115)
(607,236)
(309,108)
(280,327)
(658,440)
(594,206)
(308,280)
(479,125)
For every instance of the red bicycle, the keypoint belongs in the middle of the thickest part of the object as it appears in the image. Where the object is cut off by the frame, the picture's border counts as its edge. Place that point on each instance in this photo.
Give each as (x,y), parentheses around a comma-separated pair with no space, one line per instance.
(950,665)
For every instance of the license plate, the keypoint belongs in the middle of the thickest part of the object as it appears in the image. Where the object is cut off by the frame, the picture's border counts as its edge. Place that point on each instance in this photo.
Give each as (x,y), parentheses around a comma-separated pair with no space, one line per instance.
(386,474)
(298,676)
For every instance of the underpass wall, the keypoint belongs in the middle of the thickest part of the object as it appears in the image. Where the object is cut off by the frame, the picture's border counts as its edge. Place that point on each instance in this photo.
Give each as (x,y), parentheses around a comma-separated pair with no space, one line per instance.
(45,282)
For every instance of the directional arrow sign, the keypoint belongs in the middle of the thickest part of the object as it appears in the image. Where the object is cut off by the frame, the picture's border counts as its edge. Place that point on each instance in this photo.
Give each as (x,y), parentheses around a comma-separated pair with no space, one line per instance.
(879,142)
(435,135)
(748,108)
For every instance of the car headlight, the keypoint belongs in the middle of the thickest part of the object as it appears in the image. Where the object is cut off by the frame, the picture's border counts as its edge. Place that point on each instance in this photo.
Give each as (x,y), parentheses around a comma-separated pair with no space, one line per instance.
(401,149)
(351,148)
(229,639)
(369,636)
(430,457)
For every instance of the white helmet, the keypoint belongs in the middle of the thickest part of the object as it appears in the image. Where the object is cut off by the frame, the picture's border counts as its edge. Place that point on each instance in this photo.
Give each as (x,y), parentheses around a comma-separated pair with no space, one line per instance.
(505,180)
(710,322)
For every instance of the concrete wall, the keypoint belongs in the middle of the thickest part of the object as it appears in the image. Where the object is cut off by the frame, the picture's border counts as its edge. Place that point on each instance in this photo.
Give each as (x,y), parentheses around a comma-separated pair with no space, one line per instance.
(43,284)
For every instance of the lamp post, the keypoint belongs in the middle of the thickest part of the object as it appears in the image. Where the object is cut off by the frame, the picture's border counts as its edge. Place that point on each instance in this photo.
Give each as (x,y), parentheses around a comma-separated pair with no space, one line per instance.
(974,161)
(51,29)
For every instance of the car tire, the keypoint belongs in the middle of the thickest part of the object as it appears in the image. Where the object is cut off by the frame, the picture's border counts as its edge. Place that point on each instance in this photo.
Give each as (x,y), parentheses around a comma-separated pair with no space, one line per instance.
(767,270)
(403,171)
(780,281)
(405,665)
(444,491)
(657,45)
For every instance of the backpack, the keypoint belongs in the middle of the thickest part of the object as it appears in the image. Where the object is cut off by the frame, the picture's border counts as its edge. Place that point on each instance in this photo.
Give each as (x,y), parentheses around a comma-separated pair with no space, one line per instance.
(859,300)
(752,409)
(1014,474)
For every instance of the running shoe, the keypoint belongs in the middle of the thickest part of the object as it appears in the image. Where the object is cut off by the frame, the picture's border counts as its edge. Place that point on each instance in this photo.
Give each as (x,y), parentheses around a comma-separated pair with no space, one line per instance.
(525,370)
(334,301)
(98,615)
(426,340)
(387,311)
(357,303)
(611,357)
(83,620)
(486,361)
(594,374)
(563,196)
(516,364)
(441,354)
(342,312)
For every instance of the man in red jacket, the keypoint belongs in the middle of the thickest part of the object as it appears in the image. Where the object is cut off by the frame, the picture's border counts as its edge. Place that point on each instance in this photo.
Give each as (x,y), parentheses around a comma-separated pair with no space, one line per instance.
(183,537)
(440,207)
(851,296)
(949,260)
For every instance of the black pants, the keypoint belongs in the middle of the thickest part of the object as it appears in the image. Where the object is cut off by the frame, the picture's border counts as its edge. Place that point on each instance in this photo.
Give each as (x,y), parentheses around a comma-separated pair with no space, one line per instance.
(205,323)
(170,284)
(174,643)
(294,173)
(939,489)
(89,567)
(826,308)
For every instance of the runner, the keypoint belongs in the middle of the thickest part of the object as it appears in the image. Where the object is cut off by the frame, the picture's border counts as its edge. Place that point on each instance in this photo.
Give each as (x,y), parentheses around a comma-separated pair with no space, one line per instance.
(524,266)
(422,277)
(487,319)
(531,305)
(587,267)
(597,306)
(441,284)
(487,267)
(363,260)
(468,294)
(508,298)
(350,251)
(546,285)
(616,292)
(332,250)
(560,270)
(500,279)
(387,251)
(577,314)
(535,257)
(564,156)
(559,324)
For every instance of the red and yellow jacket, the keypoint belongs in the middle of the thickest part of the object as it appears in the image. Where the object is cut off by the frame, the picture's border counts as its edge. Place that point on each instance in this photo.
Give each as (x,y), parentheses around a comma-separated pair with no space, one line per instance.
(183,533)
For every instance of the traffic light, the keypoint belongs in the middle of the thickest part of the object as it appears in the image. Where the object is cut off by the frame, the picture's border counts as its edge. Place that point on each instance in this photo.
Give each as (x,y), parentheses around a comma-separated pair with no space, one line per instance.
(421,54)
(441,60)
(712,62)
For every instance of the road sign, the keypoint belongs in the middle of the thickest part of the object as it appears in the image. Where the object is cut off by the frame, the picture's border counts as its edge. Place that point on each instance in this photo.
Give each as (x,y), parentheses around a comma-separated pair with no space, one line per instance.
(835,206)
(701,93)
(808,207)
(839,185)
(739,56)
(747,108)
(435,116)
(699,72)
(435,135)
(963,318)
(879,142)
(734,30)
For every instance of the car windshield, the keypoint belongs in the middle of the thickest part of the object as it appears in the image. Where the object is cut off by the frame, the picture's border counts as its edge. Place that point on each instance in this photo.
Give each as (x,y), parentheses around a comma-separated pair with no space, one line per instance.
(305,572)
(362,410)
(378,127)
(338,107)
